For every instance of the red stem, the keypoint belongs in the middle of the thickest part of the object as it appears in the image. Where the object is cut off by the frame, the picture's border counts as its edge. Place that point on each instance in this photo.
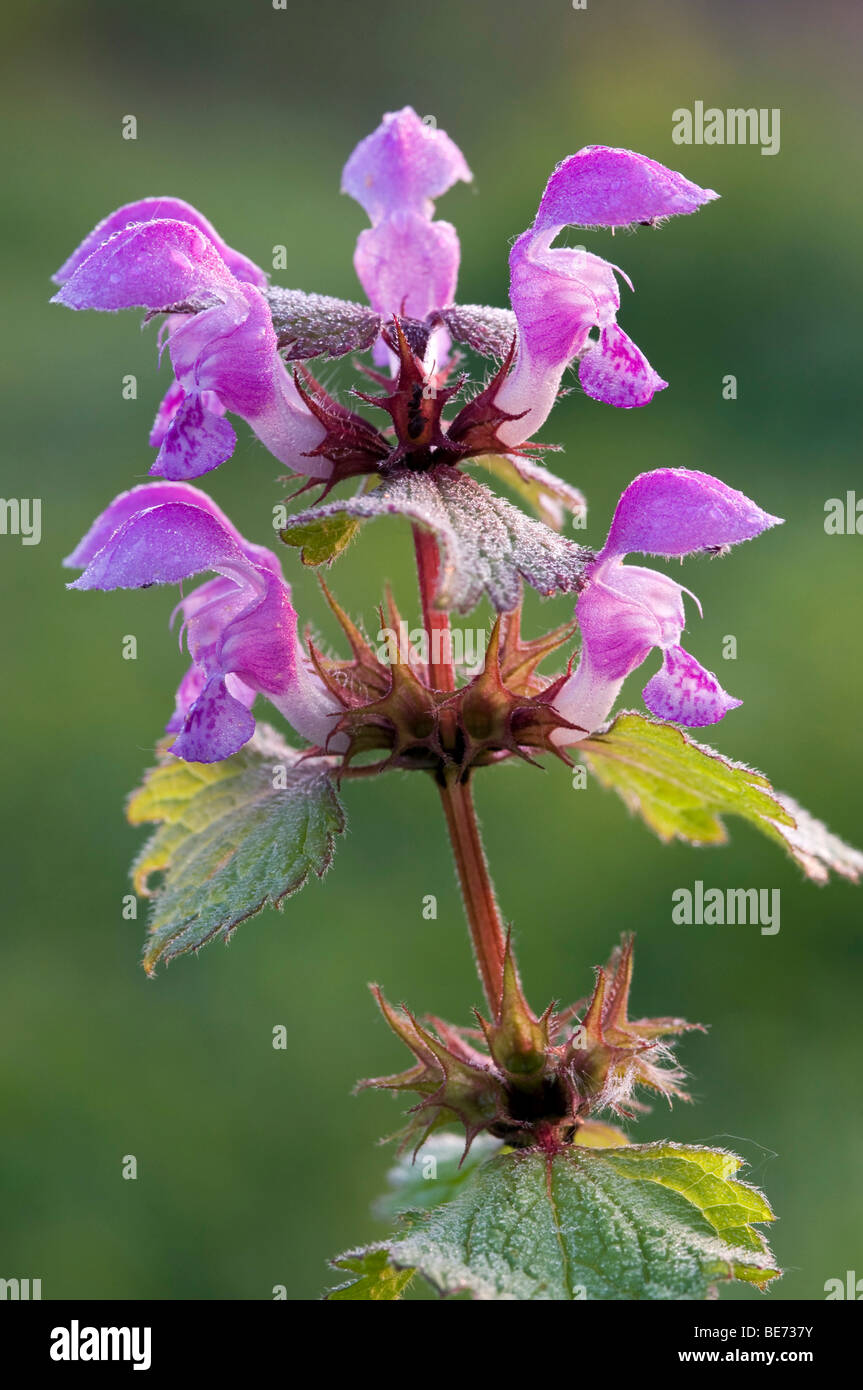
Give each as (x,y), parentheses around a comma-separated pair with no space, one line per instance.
(480,904)
(483,915)
(435,621)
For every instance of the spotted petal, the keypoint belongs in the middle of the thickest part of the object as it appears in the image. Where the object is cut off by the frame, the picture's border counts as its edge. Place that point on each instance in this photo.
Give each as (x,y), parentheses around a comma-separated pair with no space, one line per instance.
(683,691)
(215,726)
(617,372)
(196,442)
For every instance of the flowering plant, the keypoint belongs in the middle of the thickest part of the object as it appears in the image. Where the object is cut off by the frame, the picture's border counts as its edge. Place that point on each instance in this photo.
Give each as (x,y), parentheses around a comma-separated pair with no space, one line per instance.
(538,1194)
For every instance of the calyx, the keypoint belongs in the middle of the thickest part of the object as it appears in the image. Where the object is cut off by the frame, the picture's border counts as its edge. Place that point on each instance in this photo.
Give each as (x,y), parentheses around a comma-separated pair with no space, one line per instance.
(536,1081)
(504,710)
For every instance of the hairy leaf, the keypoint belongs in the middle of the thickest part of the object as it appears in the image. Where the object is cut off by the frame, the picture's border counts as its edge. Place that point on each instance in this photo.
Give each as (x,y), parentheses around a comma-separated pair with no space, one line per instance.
(376,1279)
(487,330)
(233,837)
(550,497)
(487,545)
(681,789)
(316,325)
(649,1221)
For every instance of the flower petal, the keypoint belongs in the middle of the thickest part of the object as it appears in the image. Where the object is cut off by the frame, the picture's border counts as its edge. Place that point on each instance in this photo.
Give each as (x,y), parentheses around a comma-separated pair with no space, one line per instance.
(617,372)
(151,265)
(404,164)
(229,348)
(165,415)
(196,442)
(230,351)
(605,187)
(159,209)
(188,690)
(162,545)
(686,693)
(170,404)
(585,700)
(407,264)
(192,685)
(674,511)
(623,613)
(261,644)
(216,725)
(139,499)
(558,296)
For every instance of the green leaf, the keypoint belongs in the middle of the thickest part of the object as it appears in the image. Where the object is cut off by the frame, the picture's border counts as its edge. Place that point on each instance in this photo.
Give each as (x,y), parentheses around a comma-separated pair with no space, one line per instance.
(233,837)
(649,1221)
(682,789)
(322,539)
(376,1279)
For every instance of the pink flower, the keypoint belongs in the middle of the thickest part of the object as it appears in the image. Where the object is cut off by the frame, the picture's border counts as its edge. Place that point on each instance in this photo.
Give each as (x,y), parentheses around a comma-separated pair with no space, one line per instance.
(625,611)
(240,628)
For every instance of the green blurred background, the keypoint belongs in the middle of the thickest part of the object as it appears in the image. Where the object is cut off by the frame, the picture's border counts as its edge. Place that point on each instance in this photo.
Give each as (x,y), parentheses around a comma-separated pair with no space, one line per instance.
(255,1164)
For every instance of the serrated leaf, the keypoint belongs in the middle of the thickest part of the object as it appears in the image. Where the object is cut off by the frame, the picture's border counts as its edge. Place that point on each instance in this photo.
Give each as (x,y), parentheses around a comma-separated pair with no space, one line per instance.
(229,842)
(317,325)
(648,1221)
(321,541)
(488,546)
(682,789)
(376,1279)
(549,496)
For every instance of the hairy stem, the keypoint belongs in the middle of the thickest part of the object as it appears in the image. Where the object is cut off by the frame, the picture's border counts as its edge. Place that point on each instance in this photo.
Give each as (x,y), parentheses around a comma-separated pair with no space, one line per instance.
(483,914)
(436,622)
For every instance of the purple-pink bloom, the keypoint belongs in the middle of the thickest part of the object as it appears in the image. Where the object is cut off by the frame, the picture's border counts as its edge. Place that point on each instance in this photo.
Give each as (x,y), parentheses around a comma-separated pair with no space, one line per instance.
(158,209)
(625,611)
(149,210)
(562,296)
(220,337)
(240,628)
(406,262)
(605,187)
